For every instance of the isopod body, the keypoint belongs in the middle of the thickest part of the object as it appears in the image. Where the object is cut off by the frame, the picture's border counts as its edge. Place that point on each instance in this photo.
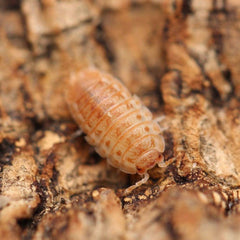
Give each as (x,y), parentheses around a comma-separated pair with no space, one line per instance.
(117,124)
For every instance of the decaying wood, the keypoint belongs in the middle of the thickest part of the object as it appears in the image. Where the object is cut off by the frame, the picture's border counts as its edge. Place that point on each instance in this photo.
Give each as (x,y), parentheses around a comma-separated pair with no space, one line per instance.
(181,58)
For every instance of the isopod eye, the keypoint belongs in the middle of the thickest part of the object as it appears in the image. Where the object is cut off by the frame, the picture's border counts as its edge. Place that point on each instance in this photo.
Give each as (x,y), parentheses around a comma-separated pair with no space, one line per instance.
(140,170)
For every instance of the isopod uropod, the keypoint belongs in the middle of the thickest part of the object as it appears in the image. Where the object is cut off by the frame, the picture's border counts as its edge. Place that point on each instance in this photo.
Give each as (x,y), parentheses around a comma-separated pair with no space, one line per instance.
(117,124)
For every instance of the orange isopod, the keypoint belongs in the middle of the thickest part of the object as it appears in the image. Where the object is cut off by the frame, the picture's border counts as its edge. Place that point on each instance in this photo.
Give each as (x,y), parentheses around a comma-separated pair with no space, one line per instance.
(117,124)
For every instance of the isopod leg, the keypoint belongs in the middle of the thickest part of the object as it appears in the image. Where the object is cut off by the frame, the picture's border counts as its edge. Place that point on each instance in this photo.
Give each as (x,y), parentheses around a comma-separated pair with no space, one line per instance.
(159,119)
(163,164)
(76,134)
(137,184)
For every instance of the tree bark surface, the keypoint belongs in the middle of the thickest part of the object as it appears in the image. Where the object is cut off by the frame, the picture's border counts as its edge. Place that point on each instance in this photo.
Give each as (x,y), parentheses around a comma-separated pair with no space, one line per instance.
(181,58)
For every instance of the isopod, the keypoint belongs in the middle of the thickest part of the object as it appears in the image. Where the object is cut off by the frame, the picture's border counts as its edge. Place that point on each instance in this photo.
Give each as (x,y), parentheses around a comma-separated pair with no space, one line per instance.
(116,123)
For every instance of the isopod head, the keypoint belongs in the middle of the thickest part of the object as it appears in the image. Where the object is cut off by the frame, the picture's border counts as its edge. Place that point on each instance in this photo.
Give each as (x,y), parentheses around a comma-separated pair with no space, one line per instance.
(148,160)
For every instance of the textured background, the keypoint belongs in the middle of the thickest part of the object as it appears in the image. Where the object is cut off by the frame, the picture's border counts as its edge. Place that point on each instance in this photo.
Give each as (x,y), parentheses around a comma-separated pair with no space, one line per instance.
(181,57)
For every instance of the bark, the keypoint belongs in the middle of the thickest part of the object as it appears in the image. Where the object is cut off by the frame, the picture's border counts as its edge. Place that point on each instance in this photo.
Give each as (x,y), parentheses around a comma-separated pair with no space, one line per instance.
(181,58)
